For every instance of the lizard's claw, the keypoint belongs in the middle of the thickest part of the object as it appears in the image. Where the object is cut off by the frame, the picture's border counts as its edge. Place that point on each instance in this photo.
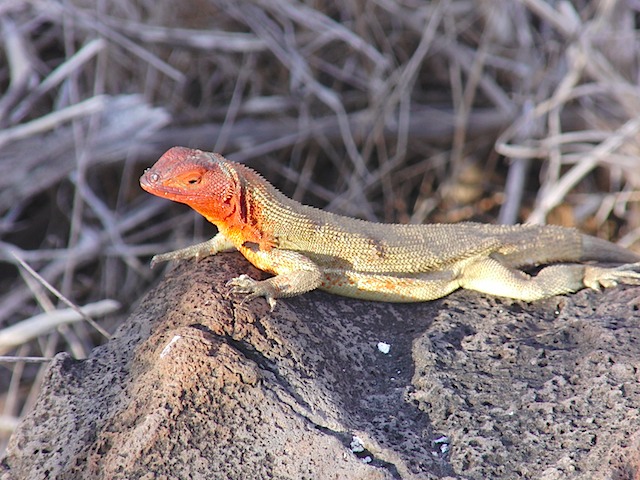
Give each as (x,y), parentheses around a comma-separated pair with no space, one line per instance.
(244,284)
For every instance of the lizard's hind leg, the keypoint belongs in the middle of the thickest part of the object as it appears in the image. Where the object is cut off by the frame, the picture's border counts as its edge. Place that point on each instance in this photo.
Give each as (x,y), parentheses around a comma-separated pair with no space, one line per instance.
(489,275)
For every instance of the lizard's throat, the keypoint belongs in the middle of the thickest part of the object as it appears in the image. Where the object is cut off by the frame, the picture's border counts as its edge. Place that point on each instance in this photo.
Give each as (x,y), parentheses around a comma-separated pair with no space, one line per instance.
(218,214)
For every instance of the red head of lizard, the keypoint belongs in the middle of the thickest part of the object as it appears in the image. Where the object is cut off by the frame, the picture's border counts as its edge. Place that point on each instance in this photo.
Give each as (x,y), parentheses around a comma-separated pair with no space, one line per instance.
(210,185)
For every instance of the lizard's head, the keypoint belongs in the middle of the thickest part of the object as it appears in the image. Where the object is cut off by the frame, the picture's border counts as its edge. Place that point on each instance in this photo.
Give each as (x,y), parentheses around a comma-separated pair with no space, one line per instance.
(205,181)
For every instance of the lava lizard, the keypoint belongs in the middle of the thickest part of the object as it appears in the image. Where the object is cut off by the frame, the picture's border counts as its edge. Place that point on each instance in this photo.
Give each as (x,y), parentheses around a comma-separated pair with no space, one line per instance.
(307,248)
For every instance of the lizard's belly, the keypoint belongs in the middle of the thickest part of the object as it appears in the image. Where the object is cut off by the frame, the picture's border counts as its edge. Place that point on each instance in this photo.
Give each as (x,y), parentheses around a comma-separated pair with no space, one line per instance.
(390,288)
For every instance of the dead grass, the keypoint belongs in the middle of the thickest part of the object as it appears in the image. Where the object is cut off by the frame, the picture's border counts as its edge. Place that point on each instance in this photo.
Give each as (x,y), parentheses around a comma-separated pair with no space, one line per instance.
(391,111)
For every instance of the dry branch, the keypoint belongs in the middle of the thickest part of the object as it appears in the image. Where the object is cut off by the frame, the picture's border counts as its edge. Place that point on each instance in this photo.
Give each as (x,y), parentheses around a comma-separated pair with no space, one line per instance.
(376,109)
(46,147)
(31,328)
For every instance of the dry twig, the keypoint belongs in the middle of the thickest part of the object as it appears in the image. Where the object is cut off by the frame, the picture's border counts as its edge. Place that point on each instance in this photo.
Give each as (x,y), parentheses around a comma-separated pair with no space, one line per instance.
(375,109)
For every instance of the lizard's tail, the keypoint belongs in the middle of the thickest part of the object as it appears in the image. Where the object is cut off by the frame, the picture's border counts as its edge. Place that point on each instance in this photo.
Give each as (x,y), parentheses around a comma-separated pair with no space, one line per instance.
(600,250)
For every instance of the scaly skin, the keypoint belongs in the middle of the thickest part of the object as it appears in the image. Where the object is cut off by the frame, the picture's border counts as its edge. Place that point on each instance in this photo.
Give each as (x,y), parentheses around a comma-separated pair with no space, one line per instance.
(307,248)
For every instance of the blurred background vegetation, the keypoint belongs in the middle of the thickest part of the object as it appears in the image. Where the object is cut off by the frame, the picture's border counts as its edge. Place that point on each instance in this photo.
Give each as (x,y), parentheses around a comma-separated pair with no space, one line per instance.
(389,110)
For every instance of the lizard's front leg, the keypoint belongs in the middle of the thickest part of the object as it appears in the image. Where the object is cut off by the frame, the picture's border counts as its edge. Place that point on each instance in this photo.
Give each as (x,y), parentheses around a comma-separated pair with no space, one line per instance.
(219,243)
(295,274)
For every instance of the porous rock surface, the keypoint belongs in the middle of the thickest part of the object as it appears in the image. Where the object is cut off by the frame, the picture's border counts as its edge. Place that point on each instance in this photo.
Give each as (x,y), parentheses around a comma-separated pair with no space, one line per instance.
(197,384)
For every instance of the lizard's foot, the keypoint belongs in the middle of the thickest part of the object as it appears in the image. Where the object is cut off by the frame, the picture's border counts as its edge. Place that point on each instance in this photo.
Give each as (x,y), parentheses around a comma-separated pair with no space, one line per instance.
(198,251)
(253,289)
(598,277)
(219,243)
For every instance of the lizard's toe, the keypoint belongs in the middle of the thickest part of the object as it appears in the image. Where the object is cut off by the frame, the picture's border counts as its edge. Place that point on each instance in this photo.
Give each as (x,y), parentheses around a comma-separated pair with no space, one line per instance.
(155,261)
(244,284)
(599,277)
